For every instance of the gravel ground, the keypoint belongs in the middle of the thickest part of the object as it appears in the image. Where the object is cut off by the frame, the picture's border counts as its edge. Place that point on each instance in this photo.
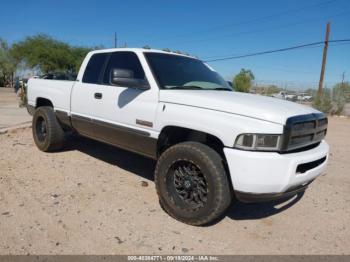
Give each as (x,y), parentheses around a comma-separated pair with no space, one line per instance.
(96,199)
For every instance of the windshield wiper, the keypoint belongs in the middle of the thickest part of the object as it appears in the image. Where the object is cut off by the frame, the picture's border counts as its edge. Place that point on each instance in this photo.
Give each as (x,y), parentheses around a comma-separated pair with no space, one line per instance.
(186,87)
(199,88)
(222,89)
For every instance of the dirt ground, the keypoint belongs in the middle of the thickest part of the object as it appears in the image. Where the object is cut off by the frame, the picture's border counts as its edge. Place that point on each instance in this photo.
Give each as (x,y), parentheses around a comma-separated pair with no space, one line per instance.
(10,113)
(96,199)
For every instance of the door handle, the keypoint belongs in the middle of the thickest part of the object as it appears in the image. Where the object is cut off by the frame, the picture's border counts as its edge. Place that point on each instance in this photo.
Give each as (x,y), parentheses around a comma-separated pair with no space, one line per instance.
(98,95)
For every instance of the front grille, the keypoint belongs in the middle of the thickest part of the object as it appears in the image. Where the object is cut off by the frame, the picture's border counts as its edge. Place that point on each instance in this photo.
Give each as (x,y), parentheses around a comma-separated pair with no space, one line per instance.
(322,122)
(304,131)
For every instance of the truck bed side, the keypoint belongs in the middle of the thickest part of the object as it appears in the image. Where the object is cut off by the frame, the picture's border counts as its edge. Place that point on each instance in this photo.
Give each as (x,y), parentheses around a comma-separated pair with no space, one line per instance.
(58,92)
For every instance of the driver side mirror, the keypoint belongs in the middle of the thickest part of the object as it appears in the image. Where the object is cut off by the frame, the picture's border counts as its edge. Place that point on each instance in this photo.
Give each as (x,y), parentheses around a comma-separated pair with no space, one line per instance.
(125,78)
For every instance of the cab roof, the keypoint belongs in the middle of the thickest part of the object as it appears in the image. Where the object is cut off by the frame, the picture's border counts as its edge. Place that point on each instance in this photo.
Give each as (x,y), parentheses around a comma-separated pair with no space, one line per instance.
(138,50)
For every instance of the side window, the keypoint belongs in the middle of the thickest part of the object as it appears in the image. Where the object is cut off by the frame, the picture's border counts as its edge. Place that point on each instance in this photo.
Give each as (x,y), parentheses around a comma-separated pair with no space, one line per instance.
(94,68)
(123,60)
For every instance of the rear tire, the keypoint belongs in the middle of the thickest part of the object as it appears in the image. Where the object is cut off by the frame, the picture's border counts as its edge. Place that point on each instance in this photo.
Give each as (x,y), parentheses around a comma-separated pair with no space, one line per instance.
(192,184)
(47,131)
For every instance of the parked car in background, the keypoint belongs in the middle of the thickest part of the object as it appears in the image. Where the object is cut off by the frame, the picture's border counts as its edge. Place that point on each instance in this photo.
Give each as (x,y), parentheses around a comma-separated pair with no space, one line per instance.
(291,97)
(285,96)
(304,97)
(280,95)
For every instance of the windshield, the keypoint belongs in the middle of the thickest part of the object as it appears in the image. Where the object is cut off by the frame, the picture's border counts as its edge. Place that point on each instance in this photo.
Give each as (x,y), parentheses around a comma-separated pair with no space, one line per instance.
(180,72)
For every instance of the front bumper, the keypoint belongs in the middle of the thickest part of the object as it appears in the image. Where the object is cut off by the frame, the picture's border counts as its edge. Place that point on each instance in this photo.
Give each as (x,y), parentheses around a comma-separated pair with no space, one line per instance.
(257,176)
(255,198)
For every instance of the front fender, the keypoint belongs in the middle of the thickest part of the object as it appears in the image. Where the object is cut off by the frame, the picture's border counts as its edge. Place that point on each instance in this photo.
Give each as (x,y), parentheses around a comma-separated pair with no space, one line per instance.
(224,126)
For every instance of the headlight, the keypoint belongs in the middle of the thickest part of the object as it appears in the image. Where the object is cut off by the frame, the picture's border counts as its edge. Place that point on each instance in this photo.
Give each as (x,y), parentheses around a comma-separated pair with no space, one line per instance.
(258,142)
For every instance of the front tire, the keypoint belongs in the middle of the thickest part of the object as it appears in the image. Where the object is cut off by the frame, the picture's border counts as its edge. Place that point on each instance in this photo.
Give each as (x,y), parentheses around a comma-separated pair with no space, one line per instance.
(192,184)
(47,132)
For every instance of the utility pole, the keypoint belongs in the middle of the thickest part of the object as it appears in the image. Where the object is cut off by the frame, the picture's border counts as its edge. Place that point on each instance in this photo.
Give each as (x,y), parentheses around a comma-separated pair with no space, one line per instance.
(115,40)
(324,59)
(342,79)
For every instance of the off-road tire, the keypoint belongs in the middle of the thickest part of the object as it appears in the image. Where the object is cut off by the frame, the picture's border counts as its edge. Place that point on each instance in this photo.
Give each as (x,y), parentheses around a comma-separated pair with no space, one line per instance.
(210,164)
(54,137)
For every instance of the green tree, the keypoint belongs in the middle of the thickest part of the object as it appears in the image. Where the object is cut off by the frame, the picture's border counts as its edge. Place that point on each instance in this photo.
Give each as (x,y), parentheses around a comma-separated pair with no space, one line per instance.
(48,54)
(7,64)
(78,54)
(242,82)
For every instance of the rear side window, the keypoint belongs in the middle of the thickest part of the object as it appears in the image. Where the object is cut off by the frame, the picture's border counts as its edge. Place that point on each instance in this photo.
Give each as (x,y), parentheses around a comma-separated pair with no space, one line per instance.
(94,68)
(123,60)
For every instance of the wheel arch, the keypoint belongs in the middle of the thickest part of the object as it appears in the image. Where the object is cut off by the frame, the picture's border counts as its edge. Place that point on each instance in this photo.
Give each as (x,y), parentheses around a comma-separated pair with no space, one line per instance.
(42,101)
(171,135)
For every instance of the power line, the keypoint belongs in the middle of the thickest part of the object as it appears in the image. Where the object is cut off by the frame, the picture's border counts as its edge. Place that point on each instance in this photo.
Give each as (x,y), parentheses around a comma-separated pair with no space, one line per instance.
(298,22)
(272,67)
(283,69)
(277,50)
(339,44)
(267,17)
(238,54)
(273,28)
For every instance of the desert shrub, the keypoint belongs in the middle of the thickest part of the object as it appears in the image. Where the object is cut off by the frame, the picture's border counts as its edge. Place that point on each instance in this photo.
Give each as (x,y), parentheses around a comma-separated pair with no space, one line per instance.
(333,100)
(323,102)
(339,99)
(243,81)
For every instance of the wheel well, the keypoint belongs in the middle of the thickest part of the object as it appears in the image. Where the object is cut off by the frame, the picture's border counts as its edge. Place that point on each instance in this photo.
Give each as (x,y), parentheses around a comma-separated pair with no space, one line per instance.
(43,102)
(172,135)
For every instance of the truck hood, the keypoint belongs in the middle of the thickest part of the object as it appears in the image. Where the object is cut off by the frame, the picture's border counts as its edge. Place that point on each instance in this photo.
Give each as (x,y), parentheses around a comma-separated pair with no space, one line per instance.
(249,105)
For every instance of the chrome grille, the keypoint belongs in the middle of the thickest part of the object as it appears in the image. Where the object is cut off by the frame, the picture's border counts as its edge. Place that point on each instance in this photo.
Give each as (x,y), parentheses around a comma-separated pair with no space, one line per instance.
(304,131)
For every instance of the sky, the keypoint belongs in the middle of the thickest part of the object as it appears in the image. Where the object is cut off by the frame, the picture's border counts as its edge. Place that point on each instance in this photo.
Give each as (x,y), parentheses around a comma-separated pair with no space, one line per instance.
(207,29)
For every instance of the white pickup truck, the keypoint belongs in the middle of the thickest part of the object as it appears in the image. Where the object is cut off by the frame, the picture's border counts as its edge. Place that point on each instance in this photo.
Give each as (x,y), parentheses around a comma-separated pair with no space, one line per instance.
(212,145)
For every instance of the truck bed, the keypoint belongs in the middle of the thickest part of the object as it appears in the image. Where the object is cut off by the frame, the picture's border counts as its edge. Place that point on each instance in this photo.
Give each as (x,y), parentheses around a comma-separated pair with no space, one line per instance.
(57,91)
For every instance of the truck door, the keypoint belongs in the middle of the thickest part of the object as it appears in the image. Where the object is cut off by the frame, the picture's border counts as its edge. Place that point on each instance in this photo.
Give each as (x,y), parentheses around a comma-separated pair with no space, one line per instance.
(84,94)
(125,116)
